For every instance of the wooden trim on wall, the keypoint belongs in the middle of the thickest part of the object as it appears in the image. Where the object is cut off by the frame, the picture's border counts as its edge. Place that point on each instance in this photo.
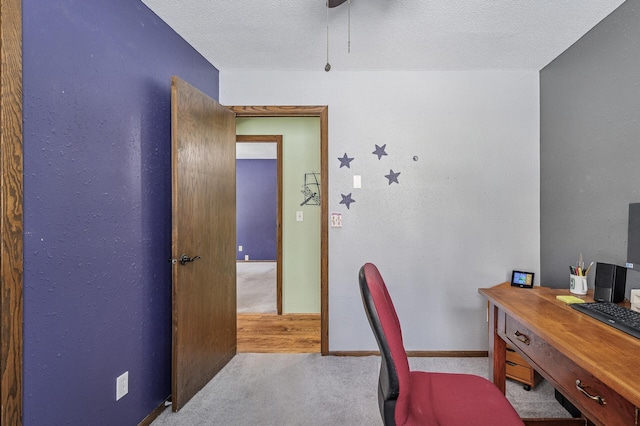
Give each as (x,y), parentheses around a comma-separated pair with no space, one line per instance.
(277,139)
(11,223)
(321,111)
(155,413)
(418,354)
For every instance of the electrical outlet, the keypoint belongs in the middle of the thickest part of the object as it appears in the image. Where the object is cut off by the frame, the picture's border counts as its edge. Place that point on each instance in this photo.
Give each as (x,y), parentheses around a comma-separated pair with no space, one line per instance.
(246,257)
(122,385)
(336,220)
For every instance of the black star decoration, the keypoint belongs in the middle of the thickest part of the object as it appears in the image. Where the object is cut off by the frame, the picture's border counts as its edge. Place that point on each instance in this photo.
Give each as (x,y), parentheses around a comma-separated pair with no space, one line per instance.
(344,161)
(393,177)
(347,200)
(380,151)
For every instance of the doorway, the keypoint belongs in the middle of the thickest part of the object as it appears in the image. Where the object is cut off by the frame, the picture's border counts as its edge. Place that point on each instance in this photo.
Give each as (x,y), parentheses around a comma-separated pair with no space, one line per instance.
(322,113)
(255,292)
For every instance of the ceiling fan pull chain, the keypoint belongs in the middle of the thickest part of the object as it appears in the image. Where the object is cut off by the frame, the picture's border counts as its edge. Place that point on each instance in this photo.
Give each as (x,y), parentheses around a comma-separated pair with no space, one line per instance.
(327,67)
(349,30)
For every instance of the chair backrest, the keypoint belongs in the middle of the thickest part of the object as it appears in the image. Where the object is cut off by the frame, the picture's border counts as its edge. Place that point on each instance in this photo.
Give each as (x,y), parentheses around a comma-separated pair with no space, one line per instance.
(393,384)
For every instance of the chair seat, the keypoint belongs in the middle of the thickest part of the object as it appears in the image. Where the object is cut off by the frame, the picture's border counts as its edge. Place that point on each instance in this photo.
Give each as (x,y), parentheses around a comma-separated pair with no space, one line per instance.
(448,399)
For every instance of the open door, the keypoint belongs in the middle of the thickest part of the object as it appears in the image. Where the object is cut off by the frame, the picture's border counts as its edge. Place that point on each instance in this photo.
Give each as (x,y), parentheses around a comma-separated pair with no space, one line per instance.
(203,239)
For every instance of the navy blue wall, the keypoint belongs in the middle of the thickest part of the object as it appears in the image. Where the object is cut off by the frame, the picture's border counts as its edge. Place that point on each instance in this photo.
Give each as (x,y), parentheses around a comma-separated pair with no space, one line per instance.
(256,208)
(97,182)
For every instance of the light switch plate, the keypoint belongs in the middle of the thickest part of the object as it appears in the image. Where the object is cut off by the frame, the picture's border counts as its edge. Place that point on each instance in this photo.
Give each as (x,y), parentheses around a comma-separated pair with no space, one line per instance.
(357,181)
(299,216)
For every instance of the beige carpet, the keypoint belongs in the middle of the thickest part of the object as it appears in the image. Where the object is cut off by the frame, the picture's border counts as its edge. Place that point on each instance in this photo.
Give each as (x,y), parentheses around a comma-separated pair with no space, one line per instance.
(312,390)
(256,287)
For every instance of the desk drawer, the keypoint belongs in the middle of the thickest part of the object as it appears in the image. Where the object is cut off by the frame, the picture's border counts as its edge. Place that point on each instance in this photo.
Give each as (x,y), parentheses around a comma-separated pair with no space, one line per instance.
(614,410)
(518,368)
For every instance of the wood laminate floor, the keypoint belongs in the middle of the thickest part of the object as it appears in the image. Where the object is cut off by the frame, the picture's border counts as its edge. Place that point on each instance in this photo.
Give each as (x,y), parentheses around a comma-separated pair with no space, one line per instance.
(271,333)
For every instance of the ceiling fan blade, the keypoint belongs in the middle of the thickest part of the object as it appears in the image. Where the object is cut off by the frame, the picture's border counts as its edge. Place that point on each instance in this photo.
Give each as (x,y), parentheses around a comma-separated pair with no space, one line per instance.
(334,3)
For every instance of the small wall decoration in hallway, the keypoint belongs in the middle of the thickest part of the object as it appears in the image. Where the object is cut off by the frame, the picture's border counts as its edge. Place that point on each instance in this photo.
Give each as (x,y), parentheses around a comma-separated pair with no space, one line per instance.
(345,161)
(347,200)
(393,177)
(311,189)
(380,151)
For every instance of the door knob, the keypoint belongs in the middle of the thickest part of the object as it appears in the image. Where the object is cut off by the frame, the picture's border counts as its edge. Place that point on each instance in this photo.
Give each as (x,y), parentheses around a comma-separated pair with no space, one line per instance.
(184,259)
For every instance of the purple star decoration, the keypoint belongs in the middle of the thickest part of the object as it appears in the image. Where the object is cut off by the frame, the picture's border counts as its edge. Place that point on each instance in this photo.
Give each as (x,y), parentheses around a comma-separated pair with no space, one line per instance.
(380,151)
(347,200)
(393,177)
(344,161)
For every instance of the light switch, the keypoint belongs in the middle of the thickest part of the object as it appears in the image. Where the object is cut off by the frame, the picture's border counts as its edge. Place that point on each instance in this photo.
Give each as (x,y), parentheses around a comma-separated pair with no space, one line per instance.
(357,181)
(299,216)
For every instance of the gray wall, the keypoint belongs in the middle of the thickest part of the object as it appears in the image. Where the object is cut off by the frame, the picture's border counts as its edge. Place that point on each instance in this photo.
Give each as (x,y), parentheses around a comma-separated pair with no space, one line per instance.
(460,217)
(590,148)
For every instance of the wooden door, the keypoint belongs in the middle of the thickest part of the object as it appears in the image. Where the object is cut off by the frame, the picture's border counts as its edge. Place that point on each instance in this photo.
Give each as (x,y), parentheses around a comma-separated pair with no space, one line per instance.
(204,225)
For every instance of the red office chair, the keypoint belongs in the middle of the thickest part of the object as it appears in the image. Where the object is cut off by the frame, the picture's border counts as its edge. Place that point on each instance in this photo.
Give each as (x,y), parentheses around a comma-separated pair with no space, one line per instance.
(420,398)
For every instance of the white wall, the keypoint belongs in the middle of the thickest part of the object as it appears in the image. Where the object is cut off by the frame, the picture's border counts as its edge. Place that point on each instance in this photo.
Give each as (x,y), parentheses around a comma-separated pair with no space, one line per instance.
(462,217)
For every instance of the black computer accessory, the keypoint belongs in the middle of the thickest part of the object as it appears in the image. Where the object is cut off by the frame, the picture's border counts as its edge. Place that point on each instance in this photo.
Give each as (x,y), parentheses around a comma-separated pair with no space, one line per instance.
(522,279)
(624,319)
(610,283)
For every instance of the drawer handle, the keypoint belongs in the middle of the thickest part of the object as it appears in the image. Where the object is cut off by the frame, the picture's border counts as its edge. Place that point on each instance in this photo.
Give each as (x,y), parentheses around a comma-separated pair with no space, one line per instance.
(522,337)
(512,364)
(582,388)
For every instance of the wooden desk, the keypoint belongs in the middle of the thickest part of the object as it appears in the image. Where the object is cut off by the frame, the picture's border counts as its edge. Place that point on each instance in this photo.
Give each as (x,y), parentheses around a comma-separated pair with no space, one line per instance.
(566,346)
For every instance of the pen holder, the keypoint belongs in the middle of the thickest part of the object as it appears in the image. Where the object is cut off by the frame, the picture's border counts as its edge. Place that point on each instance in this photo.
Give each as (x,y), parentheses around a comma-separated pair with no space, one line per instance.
(577,284)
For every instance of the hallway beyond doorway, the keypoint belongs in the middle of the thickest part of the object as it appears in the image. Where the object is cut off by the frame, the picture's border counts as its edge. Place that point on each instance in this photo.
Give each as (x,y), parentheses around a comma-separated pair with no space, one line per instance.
(256,284)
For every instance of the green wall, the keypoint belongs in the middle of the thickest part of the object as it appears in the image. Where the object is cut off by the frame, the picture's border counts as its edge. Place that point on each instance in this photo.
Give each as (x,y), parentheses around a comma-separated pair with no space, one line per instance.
(300,240)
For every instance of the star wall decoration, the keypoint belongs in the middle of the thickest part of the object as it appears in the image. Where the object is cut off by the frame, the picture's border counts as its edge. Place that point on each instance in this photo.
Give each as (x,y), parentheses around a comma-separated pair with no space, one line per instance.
(393,177)
(347,200)
(344,161)
(380,151)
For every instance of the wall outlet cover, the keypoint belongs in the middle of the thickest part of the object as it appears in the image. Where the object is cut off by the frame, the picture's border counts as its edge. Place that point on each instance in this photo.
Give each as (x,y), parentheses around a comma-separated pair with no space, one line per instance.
(122,385)
(336,220)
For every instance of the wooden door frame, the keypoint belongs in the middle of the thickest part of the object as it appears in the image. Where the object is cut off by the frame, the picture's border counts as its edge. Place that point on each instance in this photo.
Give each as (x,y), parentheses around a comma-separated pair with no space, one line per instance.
(321,111)
(277,139)
(11,204)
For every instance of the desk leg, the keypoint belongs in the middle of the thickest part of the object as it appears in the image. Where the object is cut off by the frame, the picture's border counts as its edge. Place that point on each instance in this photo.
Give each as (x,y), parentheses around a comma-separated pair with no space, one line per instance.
(497,351)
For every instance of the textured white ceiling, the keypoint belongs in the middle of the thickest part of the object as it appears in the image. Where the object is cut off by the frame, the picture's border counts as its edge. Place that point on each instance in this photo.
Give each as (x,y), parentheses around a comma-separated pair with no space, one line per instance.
(385,34)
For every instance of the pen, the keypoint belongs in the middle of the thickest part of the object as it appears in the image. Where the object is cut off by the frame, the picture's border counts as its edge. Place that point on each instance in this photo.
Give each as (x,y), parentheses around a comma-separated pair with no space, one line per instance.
(589,268)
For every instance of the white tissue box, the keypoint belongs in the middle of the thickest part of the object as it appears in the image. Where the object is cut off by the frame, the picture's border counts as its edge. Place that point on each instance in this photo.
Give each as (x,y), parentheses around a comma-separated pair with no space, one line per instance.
(635,300)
